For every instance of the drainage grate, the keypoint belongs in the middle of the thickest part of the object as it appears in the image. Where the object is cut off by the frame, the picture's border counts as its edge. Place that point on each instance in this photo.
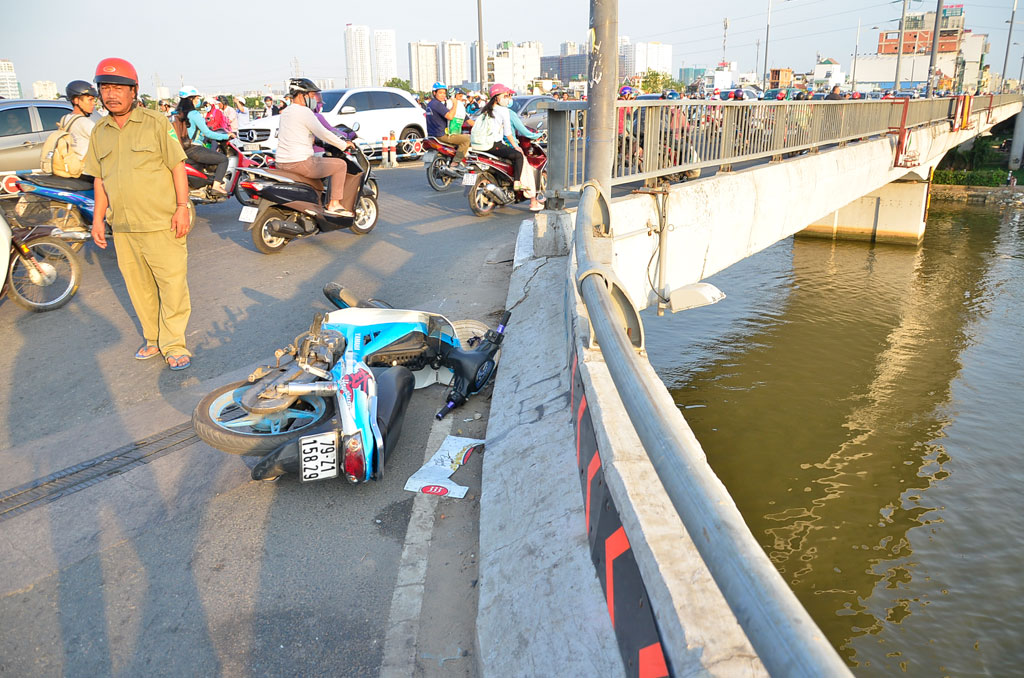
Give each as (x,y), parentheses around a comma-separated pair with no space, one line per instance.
(67,481)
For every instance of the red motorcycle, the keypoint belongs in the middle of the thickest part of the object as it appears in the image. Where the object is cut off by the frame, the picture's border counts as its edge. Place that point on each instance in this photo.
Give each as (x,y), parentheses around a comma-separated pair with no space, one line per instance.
(439,161)
(200,178)
(491,180)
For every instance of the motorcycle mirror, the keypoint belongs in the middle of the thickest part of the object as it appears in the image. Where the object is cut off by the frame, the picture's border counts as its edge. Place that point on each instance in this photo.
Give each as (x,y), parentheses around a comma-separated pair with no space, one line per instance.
(355,127)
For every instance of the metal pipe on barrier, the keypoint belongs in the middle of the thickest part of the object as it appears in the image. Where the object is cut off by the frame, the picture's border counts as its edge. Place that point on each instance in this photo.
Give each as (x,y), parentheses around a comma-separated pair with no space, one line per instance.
(784,636)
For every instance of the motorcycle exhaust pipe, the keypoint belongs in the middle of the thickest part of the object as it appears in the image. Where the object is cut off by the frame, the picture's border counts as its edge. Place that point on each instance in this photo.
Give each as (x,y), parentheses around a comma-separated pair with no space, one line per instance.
(71,236)
(496,194)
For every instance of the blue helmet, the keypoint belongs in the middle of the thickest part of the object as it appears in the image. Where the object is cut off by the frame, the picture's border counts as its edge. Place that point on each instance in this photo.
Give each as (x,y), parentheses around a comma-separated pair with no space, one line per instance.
(670,94)
(188,91)
(438,85)
(625,91)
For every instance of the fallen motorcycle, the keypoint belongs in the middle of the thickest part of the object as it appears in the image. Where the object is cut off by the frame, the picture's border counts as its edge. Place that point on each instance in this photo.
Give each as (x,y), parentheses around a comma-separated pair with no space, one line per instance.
(334,402)
(41,270)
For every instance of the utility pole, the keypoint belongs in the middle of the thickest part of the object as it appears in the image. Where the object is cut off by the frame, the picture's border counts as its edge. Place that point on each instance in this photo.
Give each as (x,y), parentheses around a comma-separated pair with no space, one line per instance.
(481,56)
(602,72)
(856,49)
(757,58)
(1009,39)
(930,91)
(725,34)
(899,49)
(767,27)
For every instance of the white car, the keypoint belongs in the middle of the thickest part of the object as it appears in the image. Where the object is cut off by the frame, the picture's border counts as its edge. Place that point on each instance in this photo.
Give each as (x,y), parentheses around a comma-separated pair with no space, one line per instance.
(378,110)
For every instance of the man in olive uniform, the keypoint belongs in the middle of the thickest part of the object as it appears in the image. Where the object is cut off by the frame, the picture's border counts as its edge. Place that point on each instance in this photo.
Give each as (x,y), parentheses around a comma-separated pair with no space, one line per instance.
(140,175)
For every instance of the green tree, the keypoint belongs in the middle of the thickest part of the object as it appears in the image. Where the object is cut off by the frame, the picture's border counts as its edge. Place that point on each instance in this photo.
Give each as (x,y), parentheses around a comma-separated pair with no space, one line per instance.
(655,81)
(398,83)
(253,102)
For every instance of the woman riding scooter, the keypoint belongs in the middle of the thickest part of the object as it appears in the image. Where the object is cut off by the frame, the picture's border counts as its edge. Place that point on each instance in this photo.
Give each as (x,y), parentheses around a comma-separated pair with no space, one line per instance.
(197,153)
(299,126)
(493,133)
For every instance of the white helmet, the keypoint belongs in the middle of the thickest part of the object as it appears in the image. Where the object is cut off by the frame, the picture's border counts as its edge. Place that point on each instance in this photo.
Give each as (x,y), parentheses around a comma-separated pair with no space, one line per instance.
(188,92)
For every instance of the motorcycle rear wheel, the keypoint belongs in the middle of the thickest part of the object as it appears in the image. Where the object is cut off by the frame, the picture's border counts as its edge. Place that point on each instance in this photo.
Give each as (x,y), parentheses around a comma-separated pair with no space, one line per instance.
(221,422)
(481,203)
(242,195)
(437,180)
(62,274)
(262,238)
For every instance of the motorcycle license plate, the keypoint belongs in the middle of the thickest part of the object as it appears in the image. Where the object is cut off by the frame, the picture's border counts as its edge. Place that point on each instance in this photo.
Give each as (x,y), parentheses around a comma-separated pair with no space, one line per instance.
(318,456)
(468,179)
(250,147)
(248,214)
(429,156)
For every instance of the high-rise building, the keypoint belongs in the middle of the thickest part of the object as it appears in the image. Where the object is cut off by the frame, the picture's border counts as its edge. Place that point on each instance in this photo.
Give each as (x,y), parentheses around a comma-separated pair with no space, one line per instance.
(641,57)
(474,61)
(514,65)
(453,63)
(385,55)
(423,66)
(569,48)
(357,56)
(9,88)
(44,89)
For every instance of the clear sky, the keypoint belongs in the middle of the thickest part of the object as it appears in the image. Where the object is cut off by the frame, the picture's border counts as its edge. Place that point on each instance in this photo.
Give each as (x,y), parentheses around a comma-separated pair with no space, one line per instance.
(233,46)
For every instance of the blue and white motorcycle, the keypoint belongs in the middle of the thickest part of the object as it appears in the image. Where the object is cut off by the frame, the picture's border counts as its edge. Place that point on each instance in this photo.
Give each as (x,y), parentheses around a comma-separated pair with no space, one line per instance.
(334,402)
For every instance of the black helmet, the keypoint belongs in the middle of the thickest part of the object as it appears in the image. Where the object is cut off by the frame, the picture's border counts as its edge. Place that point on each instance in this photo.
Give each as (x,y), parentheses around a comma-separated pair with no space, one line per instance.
(77,88)
(297,85)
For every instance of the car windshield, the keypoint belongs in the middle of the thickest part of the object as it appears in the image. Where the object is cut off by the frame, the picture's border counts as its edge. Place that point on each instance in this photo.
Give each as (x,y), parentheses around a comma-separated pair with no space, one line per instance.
(331,98)
(518,103)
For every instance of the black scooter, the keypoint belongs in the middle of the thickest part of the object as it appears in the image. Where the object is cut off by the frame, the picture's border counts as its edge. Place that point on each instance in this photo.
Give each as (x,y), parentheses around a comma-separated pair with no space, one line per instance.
(292,206)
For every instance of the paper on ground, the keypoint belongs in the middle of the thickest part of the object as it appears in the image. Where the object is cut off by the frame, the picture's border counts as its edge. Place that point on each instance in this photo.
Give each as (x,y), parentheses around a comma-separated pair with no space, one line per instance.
(435,476)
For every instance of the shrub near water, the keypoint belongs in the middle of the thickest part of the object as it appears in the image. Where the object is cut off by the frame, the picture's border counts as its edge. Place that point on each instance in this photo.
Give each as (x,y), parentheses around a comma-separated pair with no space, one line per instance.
(987,177)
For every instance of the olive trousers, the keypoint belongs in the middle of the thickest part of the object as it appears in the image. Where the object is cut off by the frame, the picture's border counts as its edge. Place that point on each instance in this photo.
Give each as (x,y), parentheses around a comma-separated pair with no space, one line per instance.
(154,265)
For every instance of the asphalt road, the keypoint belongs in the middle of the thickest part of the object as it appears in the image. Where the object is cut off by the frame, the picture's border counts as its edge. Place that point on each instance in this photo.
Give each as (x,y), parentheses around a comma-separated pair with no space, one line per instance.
(182,565)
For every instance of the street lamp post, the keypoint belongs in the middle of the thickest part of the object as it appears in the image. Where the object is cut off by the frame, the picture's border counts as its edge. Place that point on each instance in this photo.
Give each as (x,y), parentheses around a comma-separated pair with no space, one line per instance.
(767,27)
(481,56)
(899,48)
(856,49)
(1009,37)
(930,90)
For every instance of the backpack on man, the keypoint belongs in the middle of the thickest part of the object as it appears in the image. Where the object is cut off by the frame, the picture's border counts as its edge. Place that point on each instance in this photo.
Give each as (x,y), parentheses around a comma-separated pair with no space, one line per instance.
(57,156)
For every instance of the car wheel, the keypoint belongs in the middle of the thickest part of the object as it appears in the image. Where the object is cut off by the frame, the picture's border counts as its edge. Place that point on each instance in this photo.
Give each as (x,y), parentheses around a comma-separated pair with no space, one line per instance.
(406,143)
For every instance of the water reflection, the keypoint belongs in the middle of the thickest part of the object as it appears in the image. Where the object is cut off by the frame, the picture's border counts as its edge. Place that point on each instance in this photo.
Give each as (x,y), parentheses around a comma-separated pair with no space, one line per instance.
(824,391)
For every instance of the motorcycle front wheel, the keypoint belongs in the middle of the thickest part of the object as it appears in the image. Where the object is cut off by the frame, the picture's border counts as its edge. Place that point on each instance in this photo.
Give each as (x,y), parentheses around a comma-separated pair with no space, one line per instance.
(372,183)
(221,422)
(366,215)
(51,281)
(438,180)
(481,203)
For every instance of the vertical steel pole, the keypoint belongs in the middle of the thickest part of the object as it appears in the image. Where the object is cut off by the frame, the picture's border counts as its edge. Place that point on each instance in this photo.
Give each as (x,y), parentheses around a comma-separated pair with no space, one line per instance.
(601,92)
(1009,41)
(856,49)
(930,91)
(481,52)
(767,68)
(899,49)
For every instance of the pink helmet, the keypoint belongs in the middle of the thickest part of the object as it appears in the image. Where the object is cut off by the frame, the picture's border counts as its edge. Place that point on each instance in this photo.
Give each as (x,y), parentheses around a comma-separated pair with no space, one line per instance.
(497,88)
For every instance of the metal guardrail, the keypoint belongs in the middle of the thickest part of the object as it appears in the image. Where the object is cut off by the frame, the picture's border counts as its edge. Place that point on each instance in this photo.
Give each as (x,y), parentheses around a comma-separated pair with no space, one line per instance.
(780,630)
(672,138)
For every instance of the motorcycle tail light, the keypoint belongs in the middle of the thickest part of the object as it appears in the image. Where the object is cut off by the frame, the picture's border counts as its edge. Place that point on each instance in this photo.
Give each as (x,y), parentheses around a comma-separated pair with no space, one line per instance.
(355,463)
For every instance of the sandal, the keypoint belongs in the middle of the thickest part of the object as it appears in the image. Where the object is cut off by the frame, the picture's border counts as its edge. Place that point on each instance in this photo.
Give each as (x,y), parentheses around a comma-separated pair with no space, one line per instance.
(339,212)
(147,351)
(178,362)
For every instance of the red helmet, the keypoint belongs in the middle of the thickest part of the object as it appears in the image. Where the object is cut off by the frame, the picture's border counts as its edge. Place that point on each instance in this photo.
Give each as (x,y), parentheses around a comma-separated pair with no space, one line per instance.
(116,72)
(498,88)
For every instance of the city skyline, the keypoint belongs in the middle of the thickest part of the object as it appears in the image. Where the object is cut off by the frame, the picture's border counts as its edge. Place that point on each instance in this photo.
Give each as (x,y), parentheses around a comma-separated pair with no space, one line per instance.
(801,30)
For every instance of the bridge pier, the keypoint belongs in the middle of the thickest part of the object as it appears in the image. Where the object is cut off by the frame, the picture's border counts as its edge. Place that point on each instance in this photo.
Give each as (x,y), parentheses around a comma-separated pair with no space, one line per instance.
(894,213)
(1017,145)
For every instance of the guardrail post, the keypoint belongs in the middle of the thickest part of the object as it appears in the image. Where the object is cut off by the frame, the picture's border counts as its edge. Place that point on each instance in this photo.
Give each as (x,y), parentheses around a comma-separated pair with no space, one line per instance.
(558,156)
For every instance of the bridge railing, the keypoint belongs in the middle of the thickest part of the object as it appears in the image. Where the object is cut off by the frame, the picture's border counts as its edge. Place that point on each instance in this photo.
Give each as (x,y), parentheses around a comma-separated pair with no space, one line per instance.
(676,139)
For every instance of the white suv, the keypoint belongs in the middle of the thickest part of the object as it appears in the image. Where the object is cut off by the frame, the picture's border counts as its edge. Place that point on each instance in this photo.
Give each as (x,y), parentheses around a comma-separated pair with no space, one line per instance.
(378,110)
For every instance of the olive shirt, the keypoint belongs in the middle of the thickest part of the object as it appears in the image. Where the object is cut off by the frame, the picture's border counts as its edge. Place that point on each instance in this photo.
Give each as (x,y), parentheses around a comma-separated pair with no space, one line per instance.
(135,163)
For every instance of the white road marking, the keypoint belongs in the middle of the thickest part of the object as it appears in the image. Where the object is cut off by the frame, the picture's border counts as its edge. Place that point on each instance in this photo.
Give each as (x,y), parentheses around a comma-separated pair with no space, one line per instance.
(403,620)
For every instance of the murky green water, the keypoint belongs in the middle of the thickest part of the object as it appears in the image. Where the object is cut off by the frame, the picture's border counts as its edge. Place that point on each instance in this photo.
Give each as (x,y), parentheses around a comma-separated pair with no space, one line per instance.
(863,404)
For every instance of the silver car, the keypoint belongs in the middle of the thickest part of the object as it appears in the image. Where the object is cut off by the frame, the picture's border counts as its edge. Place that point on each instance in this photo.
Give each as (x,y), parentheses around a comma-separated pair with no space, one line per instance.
(526,107)
(24,126)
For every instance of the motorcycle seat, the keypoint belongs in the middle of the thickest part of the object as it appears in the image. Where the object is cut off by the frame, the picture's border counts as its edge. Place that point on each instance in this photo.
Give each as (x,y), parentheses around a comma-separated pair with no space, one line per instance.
(316,184)
(60,183)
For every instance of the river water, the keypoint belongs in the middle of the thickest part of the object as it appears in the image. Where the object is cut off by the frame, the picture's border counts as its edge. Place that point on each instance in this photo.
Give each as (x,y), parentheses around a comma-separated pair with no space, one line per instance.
(863,405)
